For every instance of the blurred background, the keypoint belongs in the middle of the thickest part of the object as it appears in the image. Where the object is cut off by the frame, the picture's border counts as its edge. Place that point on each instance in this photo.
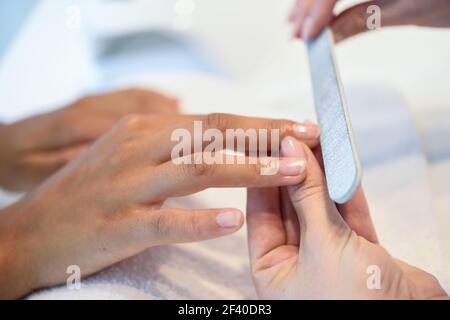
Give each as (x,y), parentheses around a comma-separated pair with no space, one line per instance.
(238,56)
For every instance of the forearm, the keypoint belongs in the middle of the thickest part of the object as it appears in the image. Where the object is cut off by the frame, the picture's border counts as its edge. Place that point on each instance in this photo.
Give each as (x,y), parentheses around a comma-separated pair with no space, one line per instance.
(3,153)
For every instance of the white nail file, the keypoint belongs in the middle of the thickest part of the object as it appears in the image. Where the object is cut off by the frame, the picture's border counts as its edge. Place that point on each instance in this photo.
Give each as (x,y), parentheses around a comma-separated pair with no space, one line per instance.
(341,161)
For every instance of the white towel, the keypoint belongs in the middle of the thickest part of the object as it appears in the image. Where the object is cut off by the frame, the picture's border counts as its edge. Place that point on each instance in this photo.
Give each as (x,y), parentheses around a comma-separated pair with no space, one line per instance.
(218,269)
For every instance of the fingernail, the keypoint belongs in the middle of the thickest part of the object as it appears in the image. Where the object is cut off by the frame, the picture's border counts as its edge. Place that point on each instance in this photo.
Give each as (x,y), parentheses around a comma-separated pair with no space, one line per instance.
(292,167)
(307,130)
(292,148)
(307,25)
(229,219)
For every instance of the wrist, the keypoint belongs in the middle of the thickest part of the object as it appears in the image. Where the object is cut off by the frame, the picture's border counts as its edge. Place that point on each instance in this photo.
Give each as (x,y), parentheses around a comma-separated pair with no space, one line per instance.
(15,276)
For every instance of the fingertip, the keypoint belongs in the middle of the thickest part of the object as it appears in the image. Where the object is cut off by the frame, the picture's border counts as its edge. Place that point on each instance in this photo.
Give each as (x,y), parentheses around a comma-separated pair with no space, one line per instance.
(306,130)
(292,148)
(297,28)
(292,15)
(230,219)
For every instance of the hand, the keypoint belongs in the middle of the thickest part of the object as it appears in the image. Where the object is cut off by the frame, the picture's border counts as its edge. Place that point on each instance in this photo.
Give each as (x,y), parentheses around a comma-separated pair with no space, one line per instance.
(106,205)
(304,247)
(310,17)
(33,149)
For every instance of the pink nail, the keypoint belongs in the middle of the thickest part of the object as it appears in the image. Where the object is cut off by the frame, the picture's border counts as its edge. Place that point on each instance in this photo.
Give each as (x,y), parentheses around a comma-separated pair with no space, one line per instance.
(229,219)
(292,148)
(307,130)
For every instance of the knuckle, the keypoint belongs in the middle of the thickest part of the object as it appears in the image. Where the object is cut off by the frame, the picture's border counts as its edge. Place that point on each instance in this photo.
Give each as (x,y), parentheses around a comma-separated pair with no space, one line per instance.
(64,117)
(194,225)
(308,190)
(198,170)
(135,92)
(144,98)
(84,102)
(131,122)
(160,225)
(218,121)
(123,153)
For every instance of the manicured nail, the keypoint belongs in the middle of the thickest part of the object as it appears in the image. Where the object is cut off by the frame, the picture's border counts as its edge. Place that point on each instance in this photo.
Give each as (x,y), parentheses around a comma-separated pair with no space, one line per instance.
(307,25)
(229,219)
(292,167)
(292,148)
(307,130)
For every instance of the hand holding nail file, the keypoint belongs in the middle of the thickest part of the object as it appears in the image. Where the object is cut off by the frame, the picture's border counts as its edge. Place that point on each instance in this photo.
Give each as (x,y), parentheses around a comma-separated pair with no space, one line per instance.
(341,161)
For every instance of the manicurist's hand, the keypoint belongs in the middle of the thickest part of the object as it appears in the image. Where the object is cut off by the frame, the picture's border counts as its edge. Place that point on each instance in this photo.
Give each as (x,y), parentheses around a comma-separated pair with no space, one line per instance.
(302,246)
(33,149)
(310,17)
(106,205)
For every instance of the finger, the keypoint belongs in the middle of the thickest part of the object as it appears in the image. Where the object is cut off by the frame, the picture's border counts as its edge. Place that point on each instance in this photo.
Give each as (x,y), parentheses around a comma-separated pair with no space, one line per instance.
(168,226)
(357,215)
(302,10)
(189,175)
(321,14)
(293,13)
(355,212)
(51,159)
(290,219)
(44,131)
(39,165)
(264,222)
(355,19)
(193,131)
(429,284)
(316,213)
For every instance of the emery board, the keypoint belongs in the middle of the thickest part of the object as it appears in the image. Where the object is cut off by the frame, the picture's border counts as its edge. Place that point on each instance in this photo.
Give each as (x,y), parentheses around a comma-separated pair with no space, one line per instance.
(341,161)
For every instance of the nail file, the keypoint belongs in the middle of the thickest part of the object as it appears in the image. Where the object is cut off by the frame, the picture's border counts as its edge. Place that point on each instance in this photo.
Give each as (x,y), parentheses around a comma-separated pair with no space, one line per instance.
(341,161)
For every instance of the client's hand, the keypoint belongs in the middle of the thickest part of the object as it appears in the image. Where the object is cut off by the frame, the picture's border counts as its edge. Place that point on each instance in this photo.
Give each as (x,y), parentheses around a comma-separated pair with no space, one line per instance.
(106,205)
(33,149)
(304,247)
(309,17)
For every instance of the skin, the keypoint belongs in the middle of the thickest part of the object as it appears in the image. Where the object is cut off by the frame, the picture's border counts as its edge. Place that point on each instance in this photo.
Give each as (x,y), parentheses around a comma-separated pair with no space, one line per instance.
(303,246)
(33,149)
(117,189)
(310,17)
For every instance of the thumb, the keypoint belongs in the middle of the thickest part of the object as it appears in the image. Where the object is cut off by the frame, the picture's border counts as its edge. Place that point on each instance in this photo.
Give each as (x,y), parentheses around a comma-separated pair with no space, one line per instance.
(168,226)
(316,212)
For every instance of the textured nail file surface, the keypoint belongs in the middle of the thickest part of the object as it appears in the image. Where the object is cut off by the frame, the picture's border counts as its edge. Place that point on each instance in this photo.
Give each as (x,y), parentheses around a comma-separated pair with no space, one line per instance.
(341,161)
